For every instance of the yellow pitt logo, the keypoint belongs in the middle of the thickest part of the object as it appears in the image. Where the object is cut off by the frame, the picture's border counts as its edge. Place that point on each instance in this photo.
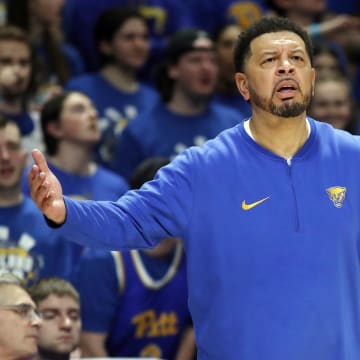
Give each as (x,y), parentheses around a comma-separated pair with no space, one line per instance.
(246,206)
(337,195)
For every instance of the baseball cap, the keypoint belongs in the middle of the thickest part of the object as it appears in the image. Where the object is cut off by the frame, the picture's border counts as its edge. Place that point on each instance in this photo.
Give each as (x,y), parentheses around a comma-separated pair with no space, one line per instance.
(187,40)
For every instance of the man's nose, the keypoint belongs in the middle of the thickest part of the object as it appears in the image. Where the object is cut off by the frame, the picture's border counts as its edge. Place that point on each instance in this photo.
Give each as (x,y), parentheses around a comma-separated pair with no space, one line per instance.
(4,153)
(36,321)
(66,322)
(285,66)
(18,69)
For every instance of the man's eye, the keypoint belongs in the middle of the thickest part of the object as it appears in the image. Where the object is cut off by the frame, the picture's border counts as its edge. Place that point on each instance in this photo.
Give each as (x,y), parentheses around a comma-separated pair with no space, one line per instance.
(297,58)
(74,317)
(24,63)
(49,315)
(79,108)
(5,62)
(12,146)
(24,309)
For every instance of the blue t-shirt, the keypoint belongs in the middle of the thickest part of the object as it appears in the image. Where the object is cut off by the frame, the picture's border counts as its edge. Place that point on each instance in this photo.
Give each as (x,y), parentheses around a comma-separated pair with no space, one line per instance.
(160,132)
(272,245)
(28,248)
(116,108)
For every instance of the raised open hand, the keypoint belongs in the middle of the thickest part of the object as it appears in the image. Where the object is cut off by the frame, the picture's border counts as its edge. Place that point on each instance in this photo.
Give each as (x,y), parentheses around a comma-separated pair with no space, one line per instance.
(46,190)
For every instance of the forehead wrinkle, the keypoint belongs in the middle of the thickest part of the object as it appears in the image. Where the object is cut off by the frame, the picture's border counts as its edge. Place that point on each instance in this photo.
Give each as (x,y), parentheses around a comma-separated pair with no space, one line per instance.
(279,38)
(273,51)
(284,41)
(16,298)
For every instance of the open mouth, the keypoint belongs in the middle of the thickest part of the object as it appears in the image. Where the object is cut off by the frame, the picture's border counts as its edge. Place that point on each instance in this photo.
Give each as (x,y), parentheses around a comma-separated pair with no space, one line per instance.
(6,172)
(206,81)
(286,90)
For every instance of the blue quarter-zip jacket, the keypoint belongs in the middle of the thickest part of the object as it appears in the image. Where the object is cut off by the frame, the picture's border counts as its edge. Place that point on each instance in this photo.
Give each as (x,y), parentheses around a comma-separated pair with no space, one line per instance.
(272,247)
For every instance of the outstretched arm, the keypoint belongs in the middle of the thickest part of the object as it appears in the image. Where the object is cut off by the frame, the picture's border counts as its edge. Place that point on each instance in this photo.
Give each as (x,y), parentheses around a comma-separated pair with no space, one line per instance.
(139,219)
(46,190)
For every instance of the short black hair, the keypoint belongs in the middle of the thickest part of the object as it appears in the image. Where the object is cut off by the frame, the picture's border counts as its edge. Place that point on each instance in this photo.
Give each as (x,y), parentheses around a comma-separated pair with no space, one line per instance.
(147,170)
(263,26)
(109,22)
(4,121)
(14,33)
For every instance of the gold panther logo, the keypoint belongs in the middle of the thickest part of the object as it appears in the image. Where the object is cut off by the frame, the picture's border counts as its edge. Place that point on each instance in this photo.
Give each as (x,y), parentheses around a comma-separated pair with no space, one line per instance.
(337,195)
(152,350)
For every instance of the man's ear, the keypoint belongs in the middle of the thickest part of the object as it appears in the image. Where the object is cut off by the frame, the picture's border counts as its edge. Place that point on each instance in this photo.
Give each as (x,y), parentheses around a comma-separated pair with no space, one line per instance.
(54,129)
(173,72)
(105,48)
(242,85)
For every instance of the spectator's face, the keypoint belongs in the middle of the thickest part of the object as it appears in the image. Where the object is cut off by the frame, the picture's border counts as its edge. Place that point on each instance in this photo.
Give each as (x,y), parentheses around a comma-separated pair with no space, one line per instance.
(313,7)
(278,77)
(12,159)
(130,45)
(46,11)
(61,327)
(79,120)
(326,64)
(303,7)
(18,332)
(224,47)
(15,68)
(196,72)
(331,103)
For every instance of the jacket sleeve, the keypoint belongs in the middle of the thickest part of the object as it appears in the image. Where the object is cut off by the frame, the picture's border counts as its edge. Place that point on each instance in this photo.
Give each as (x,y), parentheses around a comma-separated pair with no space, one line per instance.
(140,218)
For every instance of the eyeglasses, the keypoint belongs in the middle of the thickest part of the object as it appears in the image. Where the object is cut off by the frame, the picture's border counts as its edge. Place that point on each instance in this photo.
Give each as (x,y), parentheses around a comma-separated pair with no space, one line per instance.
(26,311)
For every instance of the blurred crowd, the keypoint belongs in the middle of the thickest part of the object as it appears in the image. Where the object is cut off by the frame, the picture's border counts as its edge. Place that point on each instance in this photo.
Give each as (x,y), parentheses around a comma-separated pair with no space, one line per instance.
(111,91)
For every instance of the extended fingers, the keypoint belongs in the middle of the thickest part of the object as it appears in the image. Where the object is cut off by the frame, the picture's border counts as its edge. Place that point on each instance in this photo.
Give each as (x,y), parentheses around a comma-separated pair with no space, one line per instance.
(40,160)
(39,186)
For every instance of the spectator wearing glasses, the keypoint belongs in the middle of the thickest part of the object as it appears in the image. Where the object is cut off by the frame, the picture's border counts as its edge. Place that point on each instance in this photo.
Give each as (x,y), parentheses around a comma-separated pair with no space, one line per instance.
(20,320)
(59,303)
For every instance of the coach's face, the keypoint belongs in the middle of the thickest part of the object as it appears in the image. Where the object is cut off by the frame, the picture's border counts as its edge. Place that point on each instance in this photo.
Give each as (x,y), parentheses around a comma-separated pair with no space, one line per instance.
(278,77)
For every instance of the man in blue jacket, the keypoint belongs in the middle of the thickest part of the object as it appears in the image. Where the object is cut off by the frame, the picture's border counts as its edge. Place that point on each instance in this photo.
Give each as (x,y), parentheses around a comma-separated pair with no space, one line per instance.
(268,213)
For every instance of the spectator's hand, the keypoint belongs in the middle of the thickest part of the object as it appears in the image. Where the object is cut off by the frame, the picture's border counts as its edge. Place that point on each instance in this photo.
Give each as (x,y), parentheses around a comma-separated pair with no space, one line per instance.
(46,190)
(339,23)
